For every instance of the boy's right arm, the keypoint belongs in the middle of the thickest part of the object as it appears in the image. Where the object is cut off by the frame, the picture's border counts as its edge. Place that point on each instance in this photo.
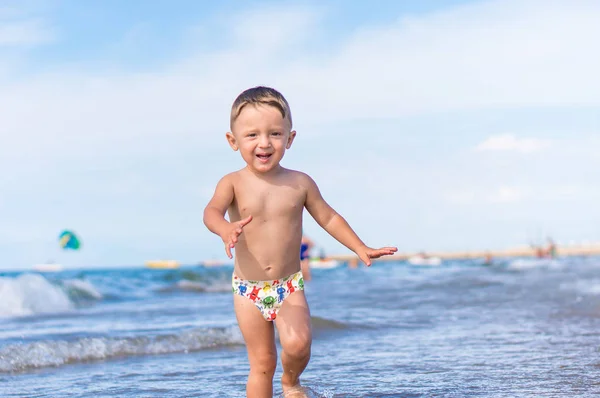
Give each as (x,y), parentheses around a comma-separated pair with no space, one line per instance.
(214,215)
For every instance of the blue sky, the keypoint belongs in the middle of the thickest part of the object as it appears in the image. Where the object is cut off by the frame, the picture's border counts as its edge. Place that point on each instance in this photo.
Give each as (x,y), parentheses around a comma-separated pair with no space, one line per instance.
(429,125)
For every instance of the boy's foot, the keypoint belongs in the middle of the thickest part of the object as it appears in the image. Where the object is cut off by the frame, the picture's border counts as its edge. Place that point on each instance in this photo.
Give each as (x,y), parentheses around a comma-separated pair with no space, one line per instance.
(294,392)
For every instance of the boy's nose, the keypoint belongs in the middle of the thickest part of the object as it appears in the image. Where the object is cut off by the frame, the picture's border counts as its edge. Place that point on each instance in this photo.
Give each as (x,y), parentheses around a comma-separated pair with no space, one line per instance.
(264,142)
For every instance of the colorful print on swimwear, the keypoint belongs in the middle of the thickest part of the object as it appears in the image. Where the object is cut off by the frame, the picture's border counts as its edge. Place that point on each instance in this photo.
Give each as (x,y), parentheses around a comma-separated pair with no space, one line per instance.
(268,296)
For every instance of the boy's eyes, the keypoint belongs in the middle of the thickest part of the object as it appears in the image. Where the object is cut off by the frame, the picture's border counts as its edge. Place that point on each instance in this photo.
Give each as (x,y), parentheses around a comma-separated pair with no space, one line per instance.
(252,135)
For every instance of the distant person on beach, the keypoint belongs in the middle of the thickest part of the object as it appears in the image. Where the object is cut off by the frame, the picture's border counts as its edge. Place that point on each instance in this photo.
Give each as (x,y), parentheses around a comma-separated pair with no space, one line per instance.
(265,203)
(545,252)
(322,255)
(551,248)
(305,246)
(489,260)
(538,250)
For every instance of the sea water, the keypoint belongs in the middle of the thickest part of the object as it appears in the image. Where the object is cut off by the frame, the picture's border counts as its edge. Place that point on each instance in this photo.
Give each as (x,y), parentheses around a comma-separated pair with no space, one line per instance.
(520,327)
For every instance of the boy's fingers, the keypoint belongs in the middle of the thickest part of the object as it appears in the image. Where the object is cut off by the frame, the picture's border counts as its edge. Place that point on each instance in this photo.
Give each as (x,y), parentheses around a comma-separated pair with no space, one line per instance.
(365,259)
(228,250)
(245,221)
(386,251)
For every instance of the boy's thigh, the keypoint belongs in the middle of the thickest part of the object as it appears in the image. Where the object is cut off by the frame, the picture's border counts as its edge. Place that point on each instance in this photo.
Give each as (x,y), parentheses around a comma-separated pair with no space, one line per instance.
(258,333)
(293,319)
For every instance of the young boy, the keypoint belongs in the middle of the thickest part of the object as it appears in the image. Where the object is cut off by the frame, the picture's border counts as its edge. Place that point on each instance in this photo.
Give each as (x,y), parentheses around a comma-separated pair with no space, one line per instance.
(265,203)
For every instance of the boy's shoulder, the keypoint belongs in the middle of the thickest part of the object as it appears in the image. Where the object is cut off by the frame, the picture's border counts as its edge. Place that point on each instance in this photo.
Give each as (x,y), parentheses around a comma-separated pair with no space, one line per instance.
(233,176)
(297,174)
(300,177)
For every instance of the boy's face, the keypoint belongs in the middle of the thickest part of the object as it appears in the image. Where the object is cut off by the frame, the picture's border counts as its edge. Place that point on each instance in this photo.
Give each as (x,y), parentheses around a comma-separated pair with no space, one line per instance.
(262,135)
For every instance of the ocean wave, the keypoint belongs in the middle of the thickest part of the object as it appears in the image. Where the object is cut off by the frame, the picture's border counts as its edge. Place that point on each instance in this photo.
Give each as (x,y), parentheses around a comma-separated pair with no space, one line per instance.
(29,294)
(196,275)
(54,353)
(205,281)
(33,293)
(319,323)
(204,287)
(588,286)
(193,286)
(79,289)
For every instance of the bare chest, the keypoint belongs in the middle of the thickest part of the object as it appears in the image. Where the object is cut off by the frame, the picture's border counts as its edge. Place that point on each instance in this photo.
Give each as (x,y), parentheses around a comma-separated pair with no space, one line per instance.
(270,201)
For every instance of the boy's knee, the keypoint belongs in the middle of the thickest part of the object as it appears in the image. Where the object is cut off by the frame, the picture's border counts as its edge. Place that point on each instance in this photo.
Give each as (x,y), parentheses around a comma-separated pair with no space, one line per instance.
(298,346)
(264,363)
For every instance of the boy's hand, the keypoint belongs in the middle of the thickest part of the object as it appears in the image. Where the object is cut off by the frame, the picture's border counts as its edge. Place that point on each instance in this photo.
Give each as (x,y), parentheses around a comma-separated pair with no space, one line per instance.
(366,253)
(230,238)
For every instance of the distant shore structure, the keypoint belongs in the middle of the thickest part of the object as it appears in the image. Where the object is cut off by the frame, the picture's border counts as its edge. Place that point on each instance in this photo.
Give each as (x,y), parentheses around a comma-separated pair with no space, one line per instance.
(332,261)
(525,251)
(48,267)
(212,263)
(162,264)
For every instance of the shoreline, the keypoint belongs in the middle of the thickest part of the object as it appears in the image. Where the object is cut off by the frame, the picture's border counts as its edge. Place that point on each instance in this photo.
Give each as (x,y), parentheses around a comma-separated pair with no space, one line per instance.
(561,251)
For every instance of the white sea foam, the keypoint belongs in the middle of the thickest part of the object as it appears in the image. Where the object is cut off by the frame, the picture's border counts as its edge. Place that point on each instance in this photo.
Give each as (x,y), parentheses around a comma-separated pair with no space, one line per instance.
(29,294)
(82,288)
(50,353)
(589,286)
(533,263)
(308,392)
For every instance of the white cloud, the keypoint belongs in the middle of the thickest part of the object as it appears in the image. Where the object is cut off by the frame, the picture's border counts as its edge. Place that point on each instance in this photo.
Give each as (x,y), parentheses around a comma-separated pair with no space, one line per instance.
(273,28)
(472,57)
(478,196)
(465,197)
(534,193)
(24,33)
(487,55)
(508,142)
(506,194)
(495,54)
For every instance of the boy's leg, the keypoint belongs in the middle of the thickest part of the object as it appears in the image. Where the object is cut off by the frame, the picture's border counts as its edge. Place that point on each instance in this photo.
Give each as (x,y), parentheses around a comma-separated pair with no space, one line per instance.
(259,336)
(295,335)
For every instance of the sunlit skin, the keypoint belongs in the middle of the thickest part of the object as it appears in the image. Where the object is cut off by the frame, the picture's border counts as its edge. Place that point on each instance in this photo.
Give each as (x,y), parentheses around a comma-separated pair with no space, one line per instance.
(265,203)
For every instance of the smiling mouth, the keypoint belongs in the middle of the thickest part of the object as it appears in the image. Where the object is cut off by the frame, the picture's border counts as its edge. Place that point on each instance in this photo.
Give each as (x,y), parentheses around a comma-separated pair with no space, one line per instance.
(263,156)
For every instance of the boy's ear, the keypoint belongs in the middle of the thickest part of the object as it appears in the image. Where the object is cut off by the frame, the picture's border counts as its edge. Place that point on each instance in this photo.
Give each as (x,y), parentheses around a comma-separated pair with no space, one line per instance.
(290,139)
(231,140)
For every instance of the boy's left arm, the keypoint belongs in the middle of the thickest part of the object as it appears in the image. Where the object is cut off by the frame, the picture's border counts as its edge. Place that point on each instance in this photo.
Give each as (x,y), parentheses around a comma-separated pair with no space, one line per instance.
(337,226)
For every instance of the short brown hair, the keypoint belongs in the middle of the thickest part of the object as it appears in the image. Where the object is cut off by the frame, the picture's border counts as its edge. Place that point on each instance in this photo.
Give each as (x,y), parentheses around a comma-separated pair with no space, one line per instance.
(264,96)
